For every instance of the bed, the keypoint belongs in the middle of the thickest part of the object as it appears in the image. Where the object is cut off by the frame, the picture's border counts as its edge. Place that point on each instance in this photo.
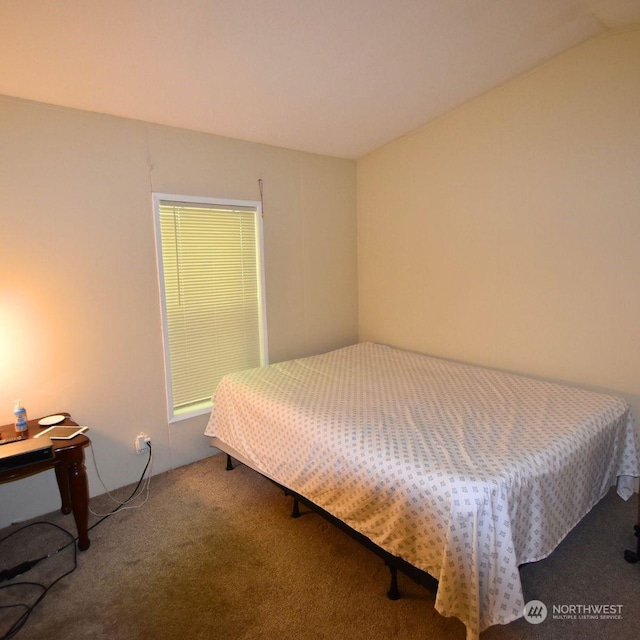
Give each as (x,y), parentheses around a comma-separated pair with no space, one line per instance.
(463,472)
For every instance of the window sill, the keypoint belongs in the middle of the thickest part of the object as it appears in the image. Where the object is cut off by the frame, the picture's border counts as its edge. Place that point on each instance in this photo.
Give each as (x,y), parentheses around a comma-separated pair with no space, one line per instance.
(190,412)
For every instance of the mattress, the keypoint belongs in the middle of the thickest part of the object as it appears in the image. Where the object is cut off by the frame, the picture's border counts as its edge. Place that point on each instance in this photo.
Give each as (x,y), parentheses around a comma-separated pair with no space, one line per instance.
(462,471)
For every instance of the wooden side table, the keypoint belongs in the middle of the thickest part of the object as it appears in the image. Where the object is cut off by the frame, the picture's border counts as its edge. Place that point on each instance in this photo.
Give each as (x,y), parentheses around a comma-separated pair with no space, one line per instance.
(71,474)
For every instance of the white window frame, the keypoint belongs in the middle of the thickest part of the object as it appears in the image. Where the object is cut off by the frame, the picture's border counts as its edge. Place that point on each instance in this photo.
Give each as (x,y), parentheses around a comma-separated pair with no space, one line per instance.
(205,407)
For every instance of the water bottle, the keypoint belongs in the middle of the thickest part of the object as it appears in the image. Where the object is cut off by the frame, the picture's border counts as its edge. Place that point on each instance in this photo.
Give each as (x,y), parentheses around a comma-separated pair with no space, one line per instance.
(20,414)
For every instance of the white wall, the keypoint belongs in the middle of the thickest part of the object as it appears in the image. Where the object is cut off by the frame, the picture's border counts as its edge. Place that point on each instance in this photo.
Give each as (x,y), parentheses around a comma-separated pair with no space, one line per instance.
(507,233)
(79,308)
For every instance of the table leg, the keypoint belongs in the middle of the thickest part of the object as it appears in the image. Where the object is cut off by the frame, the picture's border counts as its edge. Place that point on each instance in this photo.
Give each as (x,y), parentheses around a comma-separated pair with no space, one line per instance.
(79,490)
(62,476)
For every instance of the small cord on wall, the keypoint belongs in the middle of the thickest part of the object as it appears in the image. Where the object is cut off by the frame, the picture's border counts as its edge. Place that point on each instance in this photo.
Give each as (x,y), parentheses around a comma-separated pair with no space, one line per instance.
(143,487)
(261,187)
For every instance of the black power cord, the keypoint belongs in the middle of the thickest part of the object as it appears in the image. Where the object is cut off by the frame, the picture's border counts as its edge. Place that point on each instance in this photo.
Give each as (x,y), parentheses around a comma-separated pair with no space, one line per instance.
(23,567)
(9,574)
(121,505)
(133,493)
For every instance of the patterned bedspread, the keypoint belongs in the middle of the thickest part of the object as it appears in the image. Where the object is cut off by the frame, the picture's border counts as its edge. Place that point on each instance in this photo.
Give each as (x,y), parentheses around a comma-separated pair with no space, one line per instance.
(462,471)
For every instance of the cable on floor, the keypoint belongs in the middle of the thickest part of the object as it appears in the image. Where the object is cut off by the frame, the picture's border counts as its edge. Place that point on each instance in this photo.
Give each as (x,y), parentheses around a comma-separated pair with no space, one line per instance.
(141,487)
(27,609)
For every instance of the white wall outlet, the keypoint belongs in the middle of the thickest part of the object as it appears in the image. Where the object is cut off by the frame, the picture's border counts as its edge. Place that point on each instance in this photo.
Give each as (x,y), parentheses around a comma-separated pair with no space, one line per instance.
(141,443)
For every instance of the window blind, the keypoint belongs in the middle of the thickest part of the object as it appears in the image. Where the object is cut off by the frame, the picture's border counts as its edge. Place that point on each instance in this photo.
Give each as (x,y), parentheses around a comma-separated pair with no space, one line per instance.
(212,295)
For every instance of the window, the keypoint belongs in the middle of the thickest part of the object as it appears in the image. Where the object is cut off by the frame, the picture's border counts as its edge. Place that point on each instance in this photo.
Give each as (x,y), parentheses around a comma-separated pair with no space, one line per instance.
(212,292)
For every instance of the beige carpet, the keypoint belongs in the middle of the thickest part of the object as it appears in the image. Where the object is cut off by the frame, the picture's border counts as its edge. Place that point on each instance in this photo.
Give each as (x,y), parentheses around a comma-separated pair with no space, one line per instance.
(215,555)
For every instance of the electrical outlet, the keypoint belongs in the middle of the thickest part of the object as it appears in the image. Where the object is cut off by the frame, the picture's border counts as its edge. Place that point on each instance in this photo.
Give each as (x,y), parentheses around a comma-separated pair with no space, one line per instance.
(142,443)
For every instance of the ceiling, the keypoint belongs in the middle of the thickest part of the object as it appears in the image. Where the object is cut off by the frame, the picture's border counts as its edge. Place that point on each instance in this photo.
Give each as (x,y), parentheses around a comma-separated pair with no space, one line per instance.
(336,77)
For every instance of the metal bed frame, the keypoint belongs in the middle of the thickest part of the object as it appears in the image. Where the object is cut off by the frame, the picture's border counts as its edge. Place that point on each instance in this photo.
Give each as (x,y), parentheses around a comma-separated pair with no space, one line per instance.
(393,563)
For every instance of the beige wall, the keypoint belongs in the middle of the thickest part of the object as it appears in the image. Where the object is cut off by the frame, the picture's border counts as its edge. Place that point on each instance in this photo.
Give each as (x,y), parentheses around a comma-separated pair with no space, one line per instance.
(79,308)
(507,233)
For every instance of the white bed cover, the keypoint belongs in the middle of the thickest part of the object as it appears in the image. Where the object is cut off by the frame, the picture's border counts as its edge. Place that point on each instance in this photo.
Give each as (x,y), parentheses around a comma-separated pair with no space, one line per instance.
(462,471)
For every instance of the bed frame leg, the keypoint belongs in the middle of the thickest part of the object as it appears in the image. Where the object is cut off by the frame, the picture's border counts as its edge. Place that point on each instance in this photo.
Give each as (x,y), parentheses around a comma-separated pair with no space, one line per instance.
(229,463)
(295,511)
(393,593)
(634,556)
